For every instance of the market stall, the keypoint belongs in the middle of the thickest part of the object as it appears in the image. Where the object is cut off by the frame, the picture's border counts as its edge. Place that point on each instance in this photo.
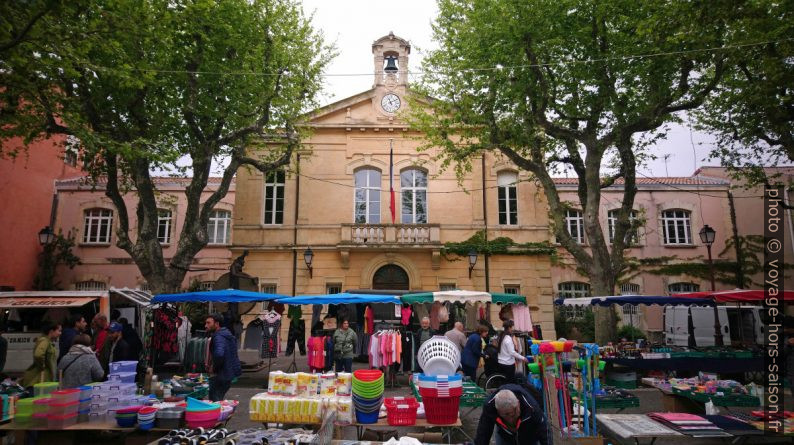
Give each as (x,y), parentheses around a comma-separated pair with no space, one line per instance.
(171,334)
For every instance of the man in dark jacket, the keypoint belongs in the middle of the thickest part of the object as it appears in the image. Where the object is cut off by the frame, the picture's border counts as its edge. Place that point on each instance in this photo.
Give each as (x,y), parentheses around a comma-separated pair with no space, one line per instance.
(115,348)
(225,365)
(75,327)
(517,416)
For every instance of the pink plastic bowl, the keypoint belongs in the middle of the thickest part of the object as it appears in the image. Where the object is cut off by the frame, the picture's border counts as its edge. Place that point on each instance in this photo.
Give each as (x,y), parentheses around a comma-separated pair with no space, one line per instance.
(203,416)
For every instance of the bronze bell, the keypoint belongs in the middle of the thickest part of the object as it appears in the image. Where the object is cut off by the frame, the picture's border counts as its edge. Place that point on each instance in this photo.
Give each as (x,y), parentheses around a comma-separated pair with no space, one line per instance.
(391,65)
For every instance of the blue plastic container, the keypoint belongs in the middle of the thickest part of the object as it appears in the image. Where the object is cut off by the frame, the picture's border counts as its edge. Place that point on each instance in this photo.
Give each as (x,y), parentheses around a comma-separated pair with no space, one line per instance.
(146,426)
(126,422)
(367,417)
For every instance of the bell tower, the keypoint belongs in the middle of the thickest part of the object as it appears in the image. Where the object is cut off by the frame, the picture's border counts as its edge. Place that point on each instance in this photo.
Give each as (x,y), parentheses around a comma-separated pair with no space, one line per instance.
(390,54)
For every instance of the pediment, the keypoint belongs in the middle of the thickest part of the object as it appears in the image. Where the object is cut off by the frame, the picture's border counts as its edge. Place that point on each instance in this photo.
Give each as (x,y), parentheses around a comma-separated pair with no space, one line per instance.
(362,109)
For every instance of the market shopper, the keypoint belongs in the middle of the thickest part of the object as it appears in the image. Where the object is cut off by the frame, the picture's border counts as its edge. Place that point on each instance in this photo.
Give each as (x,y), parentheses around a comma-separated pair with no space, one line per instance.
(115,348)
(517,416)
(472,352)
(132,338)
(44,357)
(422,335)
(80,365)
(99,325)
(76,326)
(457,336)
(224,363)
(344,344)
(507,352)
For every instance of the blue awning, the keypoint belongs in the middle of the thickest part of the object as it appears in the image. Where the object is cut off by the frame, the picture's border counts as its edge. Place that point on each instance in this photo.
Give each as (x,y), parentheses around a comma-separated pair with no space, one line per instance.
(343,298)
(634,300)
(216,296)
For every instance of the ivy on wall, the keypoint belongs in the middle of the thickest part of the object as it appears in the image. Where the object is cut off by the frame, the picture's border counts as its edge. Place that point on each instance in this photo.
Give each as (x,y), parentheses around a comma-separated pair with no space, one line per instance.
(497,246)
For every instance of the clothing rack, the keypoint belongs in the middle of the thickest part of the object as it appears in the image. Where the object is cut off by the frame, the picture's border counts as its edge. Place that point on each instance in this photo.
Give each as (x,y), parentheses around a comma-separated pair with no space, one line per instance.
(388,371)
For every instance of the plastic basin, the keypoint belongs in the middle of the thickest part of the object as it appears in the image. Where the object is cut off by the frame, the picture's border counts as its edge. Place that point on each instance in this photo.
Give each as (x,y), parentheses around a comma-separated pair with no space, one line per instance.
(198,405)
(367,417)
(201,416)
(367,375)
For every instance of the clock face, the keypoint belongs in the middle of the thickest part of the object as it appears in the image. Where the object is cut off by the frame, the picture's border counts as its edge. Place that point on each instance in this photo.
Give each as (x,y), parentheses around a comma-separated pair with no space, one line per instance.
(390,103)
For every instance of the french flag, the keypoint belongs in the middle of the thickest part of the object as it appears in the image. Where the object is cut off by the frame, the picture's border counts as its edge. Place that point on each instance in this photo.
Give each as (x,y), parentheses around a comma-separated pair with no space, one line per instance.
(391,174)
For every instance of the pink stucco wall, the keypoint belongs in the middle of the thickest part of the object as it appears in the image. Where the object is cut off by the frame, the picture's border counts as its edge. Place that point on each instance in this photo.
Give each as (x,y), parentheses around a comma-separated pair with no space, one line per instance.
(111,265)
(26,190)
(707,201)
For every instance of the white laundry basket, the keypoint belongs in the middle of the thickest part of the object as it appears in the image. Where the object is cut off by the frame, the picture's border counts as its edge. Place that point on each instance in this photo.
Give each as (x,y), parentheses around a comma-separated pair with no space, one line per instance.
(438,356)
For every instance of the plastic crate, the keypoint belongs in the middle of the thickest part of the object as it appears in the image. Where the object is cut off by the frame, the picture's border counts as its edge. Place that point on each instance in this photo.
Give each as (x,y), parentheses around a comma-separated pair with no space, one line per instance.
(401,412)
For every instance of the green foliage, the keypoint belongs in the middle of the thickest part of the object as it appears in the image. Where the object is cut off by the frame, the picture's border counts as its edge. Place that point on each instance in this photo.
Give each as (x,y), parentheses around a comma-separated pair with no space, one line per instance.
(569,85)
(164,85)
(630,333)
(54,254)
(751,113)
(497,246)
(581,329)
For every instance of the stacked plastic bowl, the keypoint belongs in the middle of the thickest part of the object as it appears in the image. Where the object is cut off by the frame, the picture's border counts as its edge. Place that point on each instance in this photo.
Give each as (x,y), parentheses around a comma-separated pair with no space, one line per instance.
(368,389)
(127,417)
(201,414)
(146,417)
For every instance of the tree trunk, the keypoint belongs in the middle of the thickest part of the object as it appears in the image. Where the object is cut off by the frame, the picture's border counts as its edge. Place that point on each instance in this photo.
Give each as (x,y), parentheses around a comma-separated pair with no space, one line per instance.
(605,319)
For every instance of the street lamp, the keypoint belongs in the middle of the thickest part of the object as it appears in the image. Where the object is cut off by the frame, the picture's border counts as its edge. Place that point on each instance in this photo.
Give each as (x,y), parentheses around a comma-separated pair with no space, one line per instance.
(46,236)
(308,257)
(707,235)
(472,260)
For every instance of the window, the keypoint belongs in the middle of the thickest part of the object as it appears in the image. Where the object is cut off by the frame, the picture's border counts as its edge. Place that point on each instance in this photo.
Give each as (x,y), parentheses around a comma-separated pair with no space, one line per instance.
(367,196)
(267,288)
(206,285)
(97,226)
(632,234)
(90,285)
(274,197)
(574,223)
(333,288)
(413,186)
(629,289)
(676,288)
(219,227)
(164,226)
(513,289)
(71,151)
(675,227)
(573,289)
(630,315)
(508,213)
(444,287)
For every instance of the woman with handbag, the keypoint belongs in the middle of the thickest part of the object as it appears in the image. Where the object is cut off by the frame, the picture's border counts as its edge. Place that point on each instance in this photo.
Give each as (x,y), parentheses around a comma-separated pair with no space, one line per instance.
(80,366)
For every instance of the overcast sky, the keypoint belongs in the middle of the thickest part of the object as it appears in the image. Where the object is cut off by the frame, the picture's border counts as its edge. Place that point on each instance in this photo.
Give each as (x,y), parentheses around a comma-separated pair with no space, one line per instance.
(354,24)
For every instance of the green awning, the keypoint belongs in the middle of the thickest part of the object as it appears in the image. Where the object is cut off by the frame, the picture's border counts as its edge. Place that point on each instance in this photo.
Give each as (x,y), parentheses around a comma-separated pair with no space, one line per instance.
(462,296)
(508,298)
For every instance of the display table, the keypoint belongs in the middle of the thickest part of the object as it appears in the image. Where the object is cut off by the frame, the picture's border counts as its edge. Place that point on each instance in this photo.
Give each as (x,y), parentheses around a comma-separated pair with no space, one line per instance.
(446,430)
(131,435)
(634,427)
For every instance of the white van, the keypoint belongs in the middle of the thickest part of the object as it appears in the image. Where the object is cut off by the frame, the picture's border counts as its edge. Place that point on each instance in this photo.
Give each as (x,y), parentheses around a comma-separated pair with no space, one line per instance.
(693,326)
(23,312)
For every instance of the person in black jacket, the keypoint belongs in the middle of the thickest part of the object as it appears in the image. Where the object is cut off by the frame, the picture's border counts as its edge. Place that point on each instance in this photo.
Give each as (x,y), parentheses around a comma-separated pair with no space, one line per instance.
(517,416)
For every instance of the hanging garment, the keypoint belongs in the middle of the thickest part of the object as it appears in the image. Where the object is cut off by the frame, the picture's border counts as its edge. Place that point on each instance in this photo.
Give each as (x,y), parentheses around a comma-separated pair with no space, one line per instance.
(420,311)
(435,322)
(329,353)
(253,335)
(165,330)
(369,316)
(407,352)
(316,346)
(317,310)
(270,334)
(296,334)
(522,318)
(360,311)
(471,317)
(183,334)
(405,315)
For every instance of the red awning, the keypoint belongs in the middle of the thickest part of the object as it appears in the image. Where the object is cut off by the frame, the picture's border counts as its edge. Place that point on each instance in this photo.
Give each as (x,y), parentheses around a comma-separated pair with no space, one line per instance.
(44,302)
(736,296)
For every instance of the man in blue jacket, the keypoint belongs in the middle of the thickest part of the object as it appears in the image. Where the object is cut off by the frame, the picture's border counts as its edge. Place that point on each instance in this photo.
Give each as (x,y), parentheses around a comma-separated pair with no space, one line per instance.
(517,416)
(224,363)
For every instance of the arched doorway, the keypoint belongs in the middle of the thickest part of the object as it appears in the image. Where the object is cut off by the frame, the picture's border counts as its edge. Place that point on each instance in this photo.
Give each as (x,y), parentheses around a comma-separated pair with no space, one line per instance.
(390,277)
